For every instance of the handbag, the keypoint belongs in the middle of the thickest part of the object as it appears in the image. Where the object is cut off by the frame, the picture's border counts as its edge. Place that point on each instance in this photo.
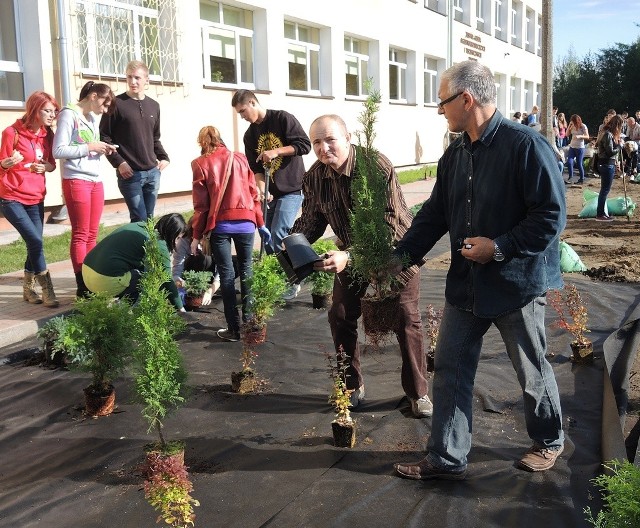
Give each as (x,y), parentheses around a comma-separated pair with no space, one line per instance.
(206,242)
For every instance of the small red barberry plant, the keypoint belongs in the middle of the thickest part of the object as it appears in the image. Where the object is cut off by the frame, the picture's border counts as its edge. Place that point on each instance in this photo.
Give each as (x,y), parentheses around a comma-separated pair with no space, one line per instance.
(572,311)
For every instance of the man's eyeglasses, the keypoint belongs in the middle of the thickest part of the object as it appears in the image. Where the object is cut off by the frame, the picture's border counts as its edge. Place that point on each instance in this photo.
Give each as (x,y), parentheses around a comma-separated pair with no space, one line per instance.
(448,100)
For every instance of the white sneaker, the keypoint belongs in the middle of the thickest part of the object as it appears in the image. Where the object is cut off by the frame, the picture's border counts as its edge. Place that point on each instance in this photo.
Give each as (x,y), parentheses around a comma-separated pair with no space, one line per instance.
(292,292)
(422,407)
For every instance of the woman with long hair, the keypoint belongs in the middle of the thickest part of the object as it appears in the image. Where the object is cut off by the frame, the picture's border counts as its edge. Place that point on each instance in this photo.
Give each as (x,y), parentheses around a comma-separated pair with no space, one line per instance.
(114,266)
(608,145)
(579,133)
(25,156)
(77,142)
(562,130)
(227,209)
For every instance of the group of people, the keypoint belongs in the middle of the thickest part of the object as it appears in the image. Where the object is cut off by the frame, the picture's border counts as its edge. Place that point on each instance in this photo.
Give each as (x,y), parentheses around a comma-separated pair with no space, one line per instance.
(501,265)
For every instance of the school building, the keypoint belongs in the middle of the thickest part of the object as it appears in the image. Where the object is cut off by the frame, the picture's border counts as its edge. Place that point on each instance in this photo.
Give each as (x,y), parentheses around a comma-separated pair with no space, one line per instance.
(307,58)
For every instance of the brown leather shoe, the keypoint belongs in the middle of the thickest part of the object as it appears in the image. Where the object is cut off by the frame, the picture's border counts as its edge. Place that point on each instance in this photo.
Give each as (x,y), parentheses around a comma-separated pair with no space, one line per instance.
(539,458)
(425,470)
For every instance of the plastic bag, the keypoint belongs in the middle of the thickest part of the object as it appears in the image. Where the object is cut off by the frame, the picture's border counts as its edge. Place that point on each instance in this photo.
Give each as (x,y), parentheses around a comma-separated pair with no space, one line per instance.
(569,260)
(615,207)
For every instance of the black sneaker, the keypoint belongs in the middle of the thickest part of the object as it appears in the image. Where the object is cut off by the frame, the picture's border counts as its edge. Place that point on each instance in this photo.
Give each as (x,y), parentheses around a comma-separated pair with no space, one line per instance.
(228,335)
(604,218)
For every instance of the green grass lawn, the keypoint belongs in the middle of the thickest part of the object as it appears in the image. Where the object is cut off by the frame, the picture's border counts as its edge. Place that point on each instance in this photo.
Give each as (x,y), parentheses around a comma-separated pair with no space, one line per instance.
(411,175)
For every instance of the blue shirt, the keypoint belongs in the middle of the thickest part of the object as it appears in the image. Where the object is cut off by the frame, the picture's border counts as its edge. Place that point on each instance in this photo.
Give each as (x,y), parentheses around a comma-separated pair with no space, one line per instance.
(504,186)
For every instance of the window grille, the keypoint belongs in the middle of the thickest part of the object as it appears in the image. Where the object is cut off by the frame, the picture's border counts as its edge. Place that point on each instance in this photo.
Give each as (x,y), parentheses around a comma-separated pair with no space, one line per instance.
(110,33)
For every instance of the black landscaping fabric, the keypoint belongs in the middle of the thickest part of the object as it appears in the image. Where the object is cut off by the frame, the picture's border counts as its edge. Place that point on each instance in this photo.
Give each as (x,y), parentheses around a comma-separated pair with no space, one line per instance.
(267,459)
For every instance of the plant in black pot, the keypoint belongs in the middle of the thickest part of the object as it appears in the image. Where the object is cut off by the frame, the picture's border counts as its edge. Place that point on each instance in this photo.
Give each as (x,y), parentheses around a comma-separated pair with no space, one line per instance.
(573,318)
(98,338)
(195,283)
(372,236)
(159,383)
(321,282)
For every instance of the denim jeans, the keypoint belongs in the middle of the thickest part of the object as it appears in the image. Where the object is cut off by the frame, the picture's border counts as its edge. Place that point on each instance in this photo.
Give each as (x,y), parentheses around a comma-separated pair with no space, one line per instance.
(28,220)
(281,215)
(221,249)
(607,173)
(576,154)
(85,202)
(140,193)
(456,361)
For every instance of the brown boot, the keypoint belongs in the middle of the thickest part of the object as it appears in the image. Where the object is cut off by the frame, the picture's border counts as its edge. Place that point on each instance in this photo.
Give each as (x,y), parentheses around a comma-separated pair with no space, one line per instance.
(48,295)
(29,293)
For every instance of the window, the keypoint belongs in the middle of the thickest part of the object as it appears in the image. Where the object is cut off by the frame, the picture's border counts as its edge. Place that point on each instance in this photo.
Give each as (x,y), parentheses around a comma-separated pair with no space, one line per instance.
(500,19)
(458,11)
(113,32)
(514,102)
(539,36)
(303,50)
(11,73)
(482,22)
(397,75)
(430,81)
(227,44)
(516,24)
(357,66)
(529,38)
(439,6)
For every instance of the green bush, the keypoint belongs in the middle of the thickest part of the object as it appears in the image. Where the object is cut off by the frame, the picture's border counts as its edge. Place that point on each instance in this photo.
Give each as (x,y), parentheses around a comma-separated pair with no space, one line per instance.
(321,281)
(196,282)
(267,285)
(622,497)
(158,364)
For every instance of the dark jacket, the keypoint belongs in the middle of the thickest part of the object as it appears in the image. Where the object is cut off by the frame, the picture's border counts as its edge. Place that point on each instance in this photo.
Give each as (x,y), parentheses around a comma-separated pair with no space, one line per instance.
(504,186)
(278,128)
(608,150)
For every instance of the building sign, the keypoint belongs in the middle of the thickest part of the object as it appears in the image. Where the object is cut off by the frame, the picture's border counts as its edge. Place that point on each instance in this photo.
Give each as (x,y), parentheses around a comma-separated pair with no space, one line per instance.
(472,45)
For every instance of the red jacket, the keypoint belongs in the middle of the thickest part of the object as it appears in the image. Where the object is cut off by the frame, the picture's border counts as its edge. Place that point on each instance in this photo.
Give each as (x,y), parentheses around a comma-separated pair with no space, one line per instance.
(18,183)
(240,200)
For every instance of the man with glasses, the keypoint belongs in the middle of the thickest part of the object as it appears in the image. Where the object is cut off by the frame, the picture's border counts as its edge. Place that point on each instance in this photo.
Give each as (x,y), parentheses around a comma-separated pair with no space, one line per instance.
(140,157)
(499,196)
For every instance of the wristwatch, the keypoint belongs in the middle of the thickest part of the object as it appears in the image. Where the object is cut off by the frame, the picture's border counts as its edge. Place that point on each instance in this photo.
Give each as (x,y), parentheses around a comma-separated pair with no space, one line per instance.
(498,255)
(349,260)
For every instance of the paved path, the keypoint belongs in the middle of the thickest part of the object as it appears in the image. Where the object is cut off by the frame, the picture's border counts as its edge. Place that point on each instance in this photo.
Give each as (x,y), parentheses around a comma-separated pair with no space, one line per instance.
(20,320)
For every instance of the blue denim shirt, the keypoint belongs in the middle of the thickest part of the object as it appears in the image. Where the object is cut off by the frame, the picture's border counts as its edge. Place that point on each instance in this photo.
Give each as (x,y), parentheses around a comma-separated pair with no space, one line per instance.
(504,186)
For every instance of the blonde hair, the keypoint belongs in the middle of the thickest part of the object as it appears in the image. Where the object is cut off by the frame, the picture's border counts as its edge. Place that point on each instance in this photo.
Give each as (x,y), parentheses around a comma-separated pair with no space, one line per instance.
(137,65)
(209,139)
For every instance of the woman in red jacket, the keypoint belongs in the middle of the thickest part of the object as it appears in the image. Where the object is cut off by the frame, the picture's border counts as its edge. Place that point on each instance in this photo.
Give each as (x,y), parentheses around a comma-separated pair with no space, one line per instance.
(227,208)
(25,156)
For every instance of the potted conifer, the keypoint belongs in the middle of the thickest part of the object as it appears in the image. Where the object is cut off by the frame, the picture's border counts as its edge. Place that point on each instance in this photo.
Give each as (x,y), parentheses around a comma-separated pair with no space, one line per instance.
(573,318)
(372,237)
(159,383)
(321,282)
(195,283)
(97,338)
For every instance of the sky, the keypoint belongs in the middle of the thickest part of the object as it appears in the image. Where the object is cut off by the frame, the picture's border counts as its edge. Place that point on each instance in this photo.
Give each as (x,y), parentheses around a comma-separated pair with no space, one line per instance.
(592,25)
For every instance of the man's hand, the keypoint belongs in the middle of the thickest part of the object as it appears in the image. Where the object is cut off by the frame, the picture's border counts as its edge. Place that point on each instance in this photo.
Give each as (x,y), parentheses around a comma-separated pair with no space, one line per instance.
(125,170)
(267,157)
(333,262)
(163,165)
(478,249)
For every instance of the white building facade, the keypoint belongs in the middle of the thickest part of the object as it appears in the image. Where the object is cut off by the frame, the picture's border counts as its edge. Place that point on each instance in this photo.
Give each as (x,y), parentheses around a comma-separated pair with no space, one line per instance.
(306,58)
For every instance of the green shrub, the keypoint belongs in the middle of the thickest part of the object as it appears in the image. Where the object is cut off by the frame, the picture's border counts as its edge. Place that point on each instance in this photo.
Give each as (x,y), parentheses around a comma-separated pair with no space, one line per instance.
(622,497)
(322,281)
(267,285)
(196,282)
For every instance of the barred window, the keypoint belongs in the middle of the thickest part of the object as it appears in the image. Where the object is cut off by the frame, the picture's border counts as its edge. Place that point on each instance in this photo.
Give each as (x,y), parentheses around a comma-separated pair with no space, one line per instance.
(110,33)
(227,44)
